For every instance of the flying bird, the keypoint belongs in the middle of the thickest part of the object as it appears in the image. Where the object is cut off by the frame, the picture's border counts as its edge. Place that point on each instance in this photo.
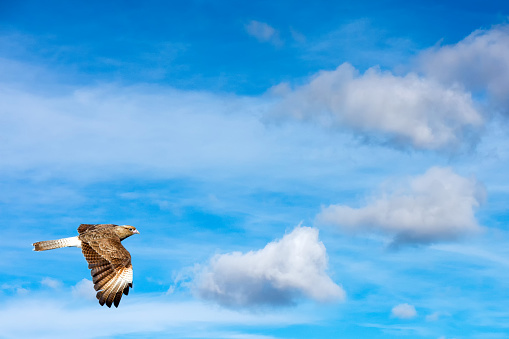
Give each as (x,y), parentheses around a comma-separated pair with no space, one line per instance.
(109,261)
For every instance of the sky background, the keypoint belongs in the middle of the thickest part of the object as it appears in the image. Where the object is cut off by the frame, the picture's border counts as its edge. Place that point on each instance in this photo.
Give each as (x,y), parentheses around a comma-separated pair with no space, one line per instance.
(296,169)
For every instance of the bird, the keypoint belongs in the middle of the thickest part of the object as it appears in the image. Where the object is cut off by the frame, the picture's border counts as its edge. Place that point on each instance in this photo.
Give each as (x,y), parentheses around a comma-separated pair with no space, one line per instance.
(108,260)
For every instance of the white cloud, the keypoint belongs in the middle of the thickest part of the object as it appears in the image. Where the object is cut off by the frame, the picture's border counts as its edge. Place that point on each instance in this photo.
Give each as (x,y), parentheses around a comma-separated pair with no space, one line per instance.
(433,316)
(404,311)
(263,32)
(84,289)
(436,315)
(439,205)
(18,289)
(51,283)
(103,128)
(480,62)
(298,36)
(116,131)
(61,316)
(407,110)
(110,131)
(279,274)
(22,291)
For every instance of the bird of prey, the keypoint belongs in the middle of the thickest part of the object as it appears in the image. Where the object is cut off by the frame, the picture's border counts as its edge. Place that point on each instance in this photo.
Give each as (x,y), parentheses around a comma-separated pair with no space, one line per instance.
(110,262)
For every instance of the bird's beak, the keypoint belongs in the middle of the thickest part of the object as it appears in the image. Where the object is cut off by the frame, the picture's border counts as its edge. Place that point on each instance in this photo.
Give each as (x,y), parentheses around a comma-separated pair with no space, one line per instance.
(136,232)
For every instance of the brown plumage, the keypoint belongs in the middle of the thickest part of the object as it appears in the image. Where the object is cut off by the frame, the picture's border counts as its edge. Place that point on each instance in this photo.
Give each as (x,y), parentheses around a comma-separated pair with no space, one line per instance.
(109,261)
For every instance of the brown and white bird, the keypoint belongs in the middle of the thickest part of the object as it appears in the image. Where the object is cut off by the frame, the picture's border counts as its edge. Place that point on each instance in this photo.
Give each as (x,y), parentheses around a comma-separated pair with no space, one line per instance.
(110,262)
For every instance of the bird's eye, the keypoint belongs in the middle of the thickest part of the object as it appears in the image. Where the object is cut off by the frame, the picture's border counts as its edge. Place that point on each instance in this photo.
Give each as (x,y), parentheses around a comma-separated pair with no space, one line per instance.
(131,229)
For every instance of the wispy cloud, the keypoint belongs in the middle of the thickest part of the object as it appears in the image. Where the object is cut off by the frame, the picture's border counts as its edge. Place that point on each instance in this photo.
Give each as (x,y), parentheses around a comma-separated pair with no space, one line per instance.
(438,205)
(404,311)
(61,317)
(435,316)
(361,42)
(108,125)
(263,32)
(279,274)
(51,283)
(297,36)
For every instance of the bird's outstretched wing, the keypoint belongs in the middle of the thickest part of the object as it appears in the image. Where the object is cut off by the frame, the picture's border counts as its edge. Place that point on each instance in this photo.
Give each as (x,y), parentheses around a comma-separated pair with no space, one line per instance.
(112,272)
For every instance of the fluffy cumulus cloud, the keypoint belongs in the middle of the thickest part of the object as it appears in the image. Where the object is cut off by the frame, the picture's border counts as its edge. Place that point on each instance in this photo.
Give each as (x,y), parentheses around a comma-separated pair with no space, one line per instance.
(438,205)
(404,311)
(407,110)
(279,274)
(480,63)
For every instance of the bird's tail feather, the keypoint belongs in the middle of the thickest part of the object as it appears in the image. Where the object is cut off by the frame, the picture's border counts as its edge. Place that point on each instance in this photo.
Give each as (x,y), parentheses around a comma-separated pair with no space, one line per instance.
(52,244)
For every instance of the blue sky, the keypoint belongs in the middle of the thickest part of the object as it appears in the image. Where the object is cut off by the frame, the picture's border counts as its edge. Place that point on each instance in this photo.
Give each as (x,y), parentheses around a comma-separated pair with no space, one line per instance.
(296,170)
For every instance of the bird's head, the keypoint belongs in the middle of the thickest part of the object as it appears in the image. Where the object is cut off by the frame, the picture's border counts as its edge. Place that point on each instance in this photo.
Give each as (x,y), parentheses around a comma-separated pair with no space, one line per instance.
(125,231)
